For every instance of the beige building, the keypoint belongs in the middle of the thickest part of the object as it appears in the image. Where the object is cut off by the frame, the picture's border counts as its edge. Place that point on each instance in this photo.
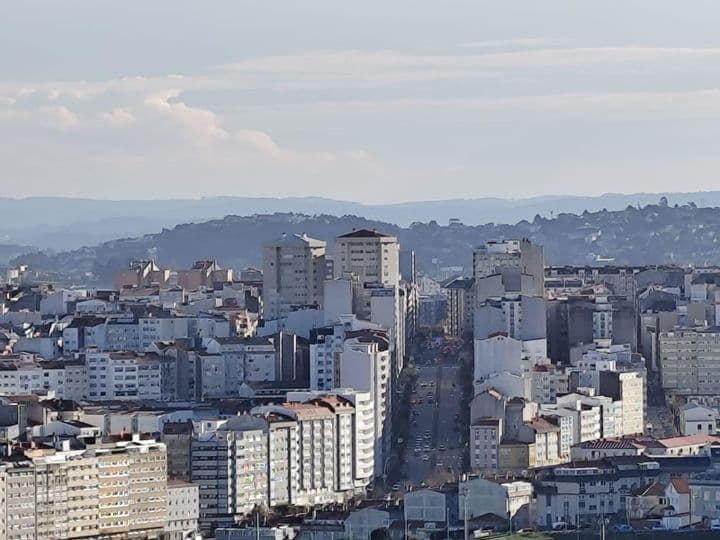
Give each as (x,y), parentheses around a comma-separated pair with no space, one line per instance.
(203,274)
(372,258)
(141,274)
(690,361)
(294,272)
(114,490)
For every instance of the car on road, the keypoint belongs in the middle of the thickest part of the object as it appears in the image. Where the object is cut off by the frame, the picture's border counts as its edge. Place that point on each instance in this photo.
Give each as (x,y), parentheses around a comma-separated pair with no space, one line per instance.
(426,458)
(396,487)
(622,528)
(442,447)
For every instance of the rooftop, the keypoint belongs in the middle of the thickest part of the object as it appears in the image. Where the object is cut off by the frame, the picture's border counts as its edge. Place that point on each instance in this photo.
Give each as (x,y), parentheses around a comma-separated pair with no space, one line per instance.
(364,233)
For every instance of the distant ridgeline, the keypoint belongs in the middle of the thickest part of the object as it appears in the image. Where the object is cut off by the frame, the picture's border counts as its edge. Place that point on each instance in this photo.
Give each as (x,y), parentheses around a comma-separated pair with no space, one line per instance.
(654,234)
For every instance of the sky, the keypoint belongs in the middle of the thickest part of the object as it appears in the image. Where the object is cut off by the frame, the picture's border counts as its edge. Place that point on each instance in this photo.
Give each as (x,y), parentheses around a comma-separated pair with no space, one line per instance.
(373,101)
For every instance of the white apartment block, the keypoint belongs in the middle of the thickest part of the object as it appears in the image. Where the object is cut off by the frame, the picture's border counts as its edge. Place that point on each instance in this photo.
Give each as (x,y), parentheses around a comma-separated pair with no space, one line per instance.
(151,329)
(319,455)
(365,366)
(294,272)
(183,507)
(586,419)
(363,425)
(126,334)
(387,309)
(123,376)
(521,255)
(229,466)
(546,383)
(326,346)
(229,362)
(496,354)
(22,374)
(372,258)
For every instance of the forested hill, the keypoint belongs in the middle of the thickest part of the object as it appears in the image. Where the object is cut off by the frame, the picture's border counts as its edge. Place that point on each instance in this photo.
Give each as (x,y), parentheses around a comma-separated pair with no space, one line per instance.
(653,234)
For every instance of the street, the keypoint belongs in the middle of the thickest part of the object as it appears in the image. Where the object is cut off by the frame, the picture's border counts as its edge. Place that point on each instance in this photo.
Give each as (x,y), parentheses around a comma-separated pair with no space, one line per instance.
(433,453)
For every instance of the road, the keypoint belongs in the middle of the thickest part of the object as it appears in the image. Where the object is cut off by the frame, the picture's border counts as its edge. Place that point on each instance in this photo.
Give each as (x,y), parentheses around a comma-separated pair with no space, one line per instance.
(434,413)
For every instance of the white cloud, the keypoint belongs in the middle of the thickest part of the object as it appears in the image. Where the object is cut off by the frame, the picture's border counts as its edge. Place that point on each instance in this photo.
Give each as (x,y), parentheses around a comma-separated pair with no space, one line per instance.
(119,116)
(201,125)
(59,116)
(512,43)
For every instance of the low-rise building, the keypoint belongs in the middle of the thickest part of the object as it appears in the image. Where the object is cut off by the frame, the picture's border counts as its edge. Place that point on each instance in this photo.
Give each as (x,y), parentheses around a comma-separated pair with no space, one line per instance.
(695,419)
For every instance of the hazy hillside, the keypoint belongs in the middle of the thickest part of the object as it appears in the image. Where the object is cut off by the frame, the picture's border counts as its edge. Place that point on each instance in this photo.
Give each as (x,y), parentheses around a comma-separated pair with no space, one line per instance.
(652,235)
(61,224)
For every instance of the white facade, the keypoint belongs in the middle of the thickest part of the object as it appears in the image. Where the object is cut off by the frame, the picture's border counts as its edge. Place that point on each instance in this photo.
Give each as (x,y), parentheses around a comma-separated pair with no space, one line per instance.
(365,366)
(123,376)
(326,347)
(696,420)
(364,428)
(183,509)
(497,354)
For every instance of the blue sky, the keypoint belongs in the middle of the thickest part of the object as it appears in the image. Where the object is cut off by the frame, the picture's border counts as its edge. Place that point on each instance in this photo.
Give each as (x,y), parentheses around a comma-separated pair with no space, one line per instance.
(369,101)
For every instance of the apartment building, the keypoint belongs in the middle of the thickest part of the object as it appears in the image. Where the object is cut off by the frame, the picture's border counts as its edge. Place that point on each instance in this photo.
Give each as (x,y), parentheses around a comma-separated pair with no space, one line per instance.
(202,274)
(22,374)
(294,271)
(373,259)
(460,293)
(326,346)
(508,266)
(485,435)
(183,506)
(365,366)
(115,489)
(229,466)
(123,376)
(690,361)
(363,425)
(141,274)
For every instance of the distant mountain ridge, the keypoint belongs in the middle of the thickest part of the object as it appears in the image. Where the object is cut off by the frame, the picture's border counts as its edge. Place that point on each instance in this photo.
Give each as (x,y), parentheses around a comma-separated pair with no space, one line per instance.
(654,234)
(67,223)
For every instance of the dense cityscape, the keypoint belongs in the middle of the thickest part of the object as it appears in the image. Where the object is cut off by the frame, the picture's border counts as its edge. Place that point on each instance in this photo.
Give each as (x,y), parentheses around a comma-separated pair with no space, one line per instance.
(380,270)
(337,392)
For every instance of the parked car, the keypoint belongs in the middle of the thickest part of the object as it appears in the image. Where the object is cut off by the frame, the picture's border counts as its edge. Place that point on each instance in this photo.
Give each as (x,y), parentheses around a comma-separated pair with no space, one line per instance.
(622,528)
